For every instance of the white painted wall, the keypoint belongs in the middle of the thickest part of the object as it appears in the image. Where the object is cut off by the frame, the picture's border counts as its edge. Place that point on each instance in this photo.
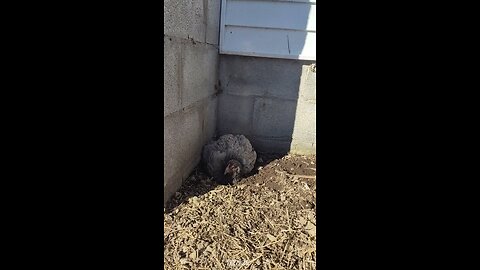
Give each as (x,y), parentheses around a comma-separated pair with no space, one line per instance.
(269,28)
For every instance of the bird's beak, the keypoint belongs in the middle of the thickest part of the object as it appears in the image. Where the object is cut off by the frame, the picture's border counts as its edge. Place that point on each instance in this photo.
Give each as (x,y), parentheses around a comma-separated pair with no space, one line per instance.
(227,170)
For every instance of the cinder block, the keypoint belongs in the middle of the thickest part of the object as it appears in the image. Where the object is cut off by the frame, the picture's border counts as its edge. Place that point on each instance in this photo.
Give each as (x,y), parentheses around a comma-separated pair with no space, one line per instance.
(305,131)
(184,19)
(179,140)
(303,148)
(305,120)
(185,134)
(274,117)
(261,76)
(266,145)
(238,76)
(305,137)
(235,114)
(308,87)
(213,21)
(171,64)
(183,142)
(171,185)
(210,120)
(174,182)
(304,142)
(199,76)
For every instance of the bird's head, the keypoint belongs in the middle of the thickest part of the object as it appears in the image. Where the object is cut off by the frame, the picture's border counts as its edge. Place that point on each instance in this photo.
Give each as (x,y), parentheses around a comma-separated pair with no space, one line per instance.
(233,169)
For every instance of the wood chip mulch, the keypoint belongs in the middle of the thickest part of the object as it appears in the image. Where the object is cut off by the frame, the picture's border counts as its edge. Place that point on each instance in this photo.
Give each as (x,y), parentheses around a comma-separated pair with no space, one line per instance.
(267,221)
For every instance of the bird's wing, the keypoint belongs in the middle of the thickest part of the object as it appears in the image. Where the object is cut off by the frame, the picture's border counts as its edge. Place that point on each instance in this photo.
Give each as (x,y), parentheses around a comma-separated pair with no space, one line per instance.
(243,151)
(216,162)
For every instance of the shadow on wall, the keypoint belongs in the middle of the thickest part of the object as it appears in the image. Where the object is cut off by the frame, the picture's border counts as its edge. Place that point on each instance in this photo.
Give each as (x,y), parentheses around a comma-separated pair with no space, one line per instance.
(260,100)
(272,101)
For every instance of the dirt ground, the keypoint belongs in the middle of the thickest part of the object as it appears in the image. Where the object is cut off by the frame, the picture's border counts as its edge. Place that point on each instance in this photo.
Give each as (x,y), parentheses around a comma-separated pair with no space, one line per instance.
(266,221)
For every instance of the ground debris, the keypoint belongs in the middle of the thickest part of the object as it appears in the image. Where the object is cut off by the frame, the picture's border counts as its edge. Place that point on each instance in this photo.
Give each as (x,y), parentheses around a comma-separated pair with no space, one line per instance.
(266,221)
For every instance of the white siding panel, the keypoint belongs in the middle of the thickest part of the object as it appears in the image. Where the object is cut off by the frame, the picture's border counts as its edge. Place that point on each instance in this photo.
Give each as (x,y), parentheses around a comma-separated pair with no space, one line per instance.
(279,29)
(294,1)
(285,15)
(269,42)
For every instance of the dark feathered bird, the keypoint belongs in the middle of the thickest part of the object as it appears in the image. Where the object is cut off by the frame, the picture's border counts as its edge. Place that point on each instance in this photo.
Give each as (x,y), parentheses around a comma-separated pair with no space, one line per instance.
(229,158)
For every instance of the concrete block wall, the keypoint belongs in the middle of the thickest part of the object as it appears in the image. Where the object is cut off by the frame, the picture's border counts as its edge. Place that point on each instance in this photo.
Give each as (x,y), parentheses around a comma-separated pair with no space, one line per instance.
(191,29)
(271,101)
(305,129)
